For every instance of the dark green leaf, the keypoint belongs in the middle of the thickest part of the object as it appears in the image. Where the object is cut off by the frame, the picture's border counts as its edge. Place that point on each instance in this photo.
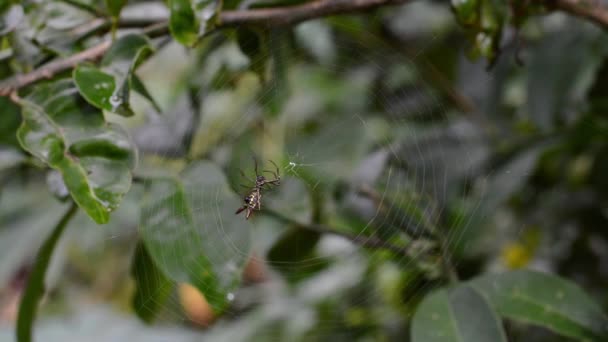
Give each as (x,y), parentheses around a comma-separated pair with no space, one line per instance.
(115,6)
(460,315)
(34,289)
(545,300)
(191,232)
(153,287)
(251,44)
(191,19)
(139,87)
(93,157)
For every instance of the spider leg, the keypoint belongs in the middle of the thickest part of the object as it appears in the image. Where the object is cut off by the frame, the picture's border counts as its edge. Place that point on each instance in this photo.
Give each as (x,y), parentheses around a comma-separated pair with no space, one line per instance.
(275,165)
(255,164)
(240,210)
(244,176)
(272,173)
(249,212)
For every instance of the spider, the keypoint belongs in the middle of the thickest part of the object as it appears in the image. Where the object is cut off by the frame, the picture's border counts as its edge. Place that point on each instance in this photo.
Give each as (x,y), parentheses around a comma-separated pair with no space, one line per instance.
(253,200)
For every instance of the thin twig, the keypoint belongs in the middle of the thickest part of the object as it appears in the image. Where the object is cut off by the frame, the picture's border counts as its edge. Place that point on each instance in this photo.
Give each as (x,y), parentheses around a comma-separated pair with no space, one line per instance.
(263,17)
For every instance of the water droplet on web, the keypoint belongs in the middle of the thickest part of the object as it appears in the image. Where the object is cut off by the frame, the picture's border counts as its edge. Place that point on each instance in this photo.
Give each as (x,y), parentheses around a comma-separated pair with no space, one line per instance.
(115,101)
(230,296)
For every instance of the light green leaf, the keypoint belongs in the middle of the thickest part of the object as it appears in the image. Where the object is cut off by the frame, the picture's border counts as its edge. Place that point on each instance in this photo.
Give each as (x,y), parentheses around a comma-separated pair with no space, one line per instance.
(153,287)
(191,19)
(192,234)
(460,315)
(545,300)
(93,157)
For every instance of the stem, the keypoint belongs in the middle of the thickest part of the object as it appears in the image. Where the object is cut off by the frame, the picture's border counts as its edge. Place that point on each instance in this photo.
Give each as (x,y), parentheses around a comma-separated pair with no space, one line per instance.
(34,288)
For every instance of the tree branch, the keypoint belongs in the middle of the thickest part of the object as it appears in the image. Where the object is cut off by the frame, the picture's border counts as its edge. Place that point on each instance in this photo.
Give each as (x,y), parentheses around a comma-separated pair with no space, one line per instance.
(593,11)
(290,15)
(261,17)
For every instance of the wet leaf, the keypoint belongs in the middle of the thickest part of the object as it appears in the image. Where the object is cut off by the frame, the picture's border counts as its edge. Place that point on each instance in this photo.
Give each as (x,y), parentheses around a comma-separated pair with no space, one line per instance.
(93,157)
(109,88)
(192,234)
(460,315)
(545,300)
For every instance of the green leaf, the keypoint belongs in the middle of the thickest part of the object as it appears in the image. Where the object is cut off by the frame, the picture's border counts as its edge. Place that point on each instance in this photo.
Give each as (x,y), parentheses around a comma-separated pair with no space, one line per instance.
(191,19)
(109,88)
(115,6)
(191,232)
(545,300)
(95,86)
(466,11)
(93,157)
(153,287)
(460,314)
(34,289)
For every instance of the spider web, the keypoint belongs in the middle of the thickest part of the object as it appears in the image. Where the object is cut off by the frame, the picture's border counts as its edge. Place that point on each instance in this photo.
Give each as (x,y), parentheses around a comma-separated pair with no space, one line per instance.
(386,173)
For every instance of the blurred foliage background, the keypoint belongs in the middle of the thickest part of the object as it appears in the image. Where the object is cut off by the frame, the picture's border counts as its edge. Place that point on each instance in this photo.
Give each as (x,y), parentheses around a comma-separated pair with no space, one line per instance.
(442,170)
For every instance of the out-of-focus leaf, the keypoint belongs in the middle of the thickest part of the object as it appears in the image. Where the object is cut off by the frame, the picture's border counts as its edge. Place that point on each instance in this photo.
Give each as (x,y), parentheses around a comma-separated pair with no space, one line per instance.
(221,110)
(192,234)
(115,6)
(545,300)
(316,37)
(9,121)
(483,20)
(93,157)
(139,87)
(153,287)
(460,314)
(34,289)
(9,157)
(277,87)
(251,44)
(294,246)
(110,88)
(466,11)
(191,19)
(557,82)
(10,17)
